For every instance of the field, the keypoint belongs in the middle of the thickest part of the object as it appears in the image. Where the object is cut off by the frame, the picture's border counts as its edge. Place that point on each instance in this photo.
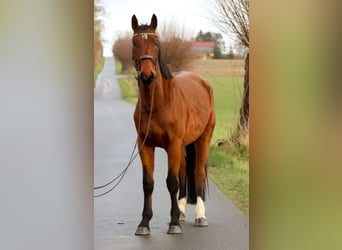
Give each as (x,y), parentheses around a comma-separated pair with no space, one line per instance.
(228,166)
(214,68)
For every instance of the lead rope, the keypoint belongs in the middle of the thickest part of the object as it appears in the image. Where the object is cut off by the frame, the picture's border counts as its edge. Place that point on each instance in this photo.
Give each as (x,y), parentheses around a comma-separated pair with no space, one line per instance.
(132,158)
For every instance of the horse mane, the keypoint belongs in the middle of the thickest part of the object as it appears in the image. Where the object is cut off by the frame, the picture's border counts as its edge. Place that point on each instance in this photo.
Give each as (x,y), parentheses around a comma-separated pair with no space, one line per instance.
(163,67)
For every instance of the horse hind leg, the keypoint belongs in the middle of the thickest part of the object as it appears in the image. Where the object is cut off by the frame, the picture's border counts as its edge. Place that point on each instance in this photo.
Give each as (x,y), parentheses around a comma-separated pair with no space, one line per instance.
(200,173)
(200,183)
(196,177)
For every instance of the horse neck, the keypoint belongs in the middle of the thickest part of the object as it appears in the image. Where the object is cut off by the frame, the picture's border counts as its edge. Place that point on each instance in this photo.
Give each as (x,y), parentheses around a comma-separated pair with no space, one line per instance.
(157,92)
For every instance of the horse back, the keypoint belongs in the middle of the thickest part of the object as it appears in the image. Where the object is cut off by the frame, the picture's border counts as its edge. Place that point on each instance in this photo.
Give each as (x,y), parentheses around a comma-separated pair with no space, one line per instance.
(196,89)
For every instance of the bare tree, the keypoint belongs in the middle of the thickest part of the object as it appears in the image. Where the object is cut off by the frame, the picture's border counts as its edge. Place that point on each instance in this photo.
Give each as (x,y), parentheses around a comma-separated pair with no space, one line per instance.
(232,18)
(122,51)
(175,48)
(98,10)
(176,51)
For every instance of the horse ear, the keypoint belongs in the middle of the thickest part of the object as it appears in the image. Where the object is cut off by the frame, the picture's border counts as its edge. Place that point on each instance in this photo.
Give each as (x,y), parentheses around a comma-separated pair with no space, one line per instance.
(154,22)
(135,23)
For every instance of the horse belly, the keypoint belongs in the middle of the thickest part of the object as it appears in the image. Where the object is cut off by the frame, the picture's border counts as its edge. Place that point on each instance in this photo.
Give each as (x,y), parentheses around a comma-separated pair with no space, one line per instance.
(195,128)
(199,105)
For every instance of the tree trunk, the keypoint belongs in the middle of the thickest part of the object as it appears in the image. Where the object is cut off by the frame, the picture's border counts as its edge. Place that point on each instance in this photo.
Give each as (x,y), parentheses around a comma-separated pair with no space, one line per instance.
(242,133)
(244,110)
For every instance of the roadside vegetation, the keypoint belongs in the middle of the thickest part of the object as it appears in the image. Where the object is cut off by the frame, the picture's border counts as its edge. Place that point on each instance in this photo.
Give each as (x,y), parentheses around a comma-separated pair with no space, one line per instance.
(98,69)
(98,49)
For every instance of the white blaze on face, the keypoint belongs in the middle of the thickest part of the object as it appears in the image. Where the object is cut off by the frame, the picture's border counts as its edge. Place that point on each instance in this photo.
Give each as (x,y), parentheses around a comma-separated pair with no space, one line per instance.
(182,205)
(200,209)
(144,36)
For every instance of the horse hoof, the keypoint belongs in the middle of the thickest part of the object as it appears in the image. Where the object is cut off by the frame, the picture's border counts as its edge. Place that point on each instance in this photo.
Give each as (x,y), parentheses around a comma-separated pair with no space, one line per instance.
(174,229)
(182,217)
(201,222)
(142,231)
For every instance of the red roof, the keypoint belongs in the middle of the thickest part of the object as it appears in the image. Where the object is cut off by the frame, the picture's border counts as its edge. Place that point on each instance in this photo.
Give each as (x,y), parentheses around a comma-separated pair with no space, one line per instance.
(203,44)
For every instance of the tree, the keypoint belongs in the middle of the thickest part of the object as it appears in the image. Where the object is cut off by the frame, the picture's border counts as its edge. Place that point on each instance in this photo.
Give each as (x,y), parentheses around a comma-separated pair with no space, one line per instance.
(212,37)
(230,54)
(175,49)
(98,10)
(122,51)
(232,17)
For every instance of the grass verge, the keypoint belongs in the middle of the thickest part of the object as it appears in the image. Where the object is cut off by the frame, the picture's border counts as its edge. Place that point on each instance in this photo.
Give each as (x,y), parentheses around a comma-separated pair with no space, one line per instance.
(228,165)
(229,170)
(98,70)
(129,88)
(118,67)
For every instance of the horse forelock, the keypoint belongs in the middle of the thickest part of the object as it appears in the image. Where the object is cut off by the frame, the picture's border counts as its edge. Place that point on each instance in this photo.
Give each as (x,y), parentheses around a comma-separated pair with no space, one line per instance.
(144,28)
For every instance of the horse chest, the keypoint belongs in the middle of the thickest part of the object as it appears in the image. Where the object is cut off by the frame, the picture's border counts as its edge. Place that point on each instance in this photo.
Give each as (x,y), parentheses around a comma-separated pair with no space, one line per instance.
(156,135)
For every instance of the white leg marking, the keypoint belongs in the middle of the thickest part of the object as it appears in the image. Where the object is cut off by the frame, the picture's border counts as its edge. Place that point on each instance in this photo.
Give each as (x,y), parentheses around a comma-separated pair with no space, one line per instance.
(182,205)
(200,209)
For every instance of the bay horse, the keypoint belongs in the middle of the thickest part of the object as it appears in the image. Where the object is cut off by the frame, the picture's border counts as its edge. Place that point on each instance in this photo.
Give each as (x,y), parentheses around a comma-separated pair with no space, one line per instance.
(174,112)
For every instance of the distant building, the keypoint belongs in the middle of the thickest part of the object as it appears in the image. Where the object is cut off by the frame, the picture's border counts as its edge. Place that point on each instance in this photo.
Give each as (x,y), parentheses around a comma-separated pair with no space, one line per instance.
(203,49)
(203,46)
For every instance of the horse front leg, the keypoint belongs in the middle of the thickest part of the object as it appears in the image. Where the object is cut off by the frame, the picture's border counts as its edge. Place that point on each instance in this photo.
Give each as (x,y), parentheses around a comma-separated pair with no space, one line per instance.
(182,203)
(147,160)
(174,158)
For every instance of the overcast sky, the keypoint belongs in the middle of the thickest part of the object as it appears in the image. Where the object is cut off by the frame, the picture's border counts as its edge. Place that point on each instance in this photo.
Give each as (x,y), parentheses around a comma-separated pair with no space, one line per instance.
(189,14)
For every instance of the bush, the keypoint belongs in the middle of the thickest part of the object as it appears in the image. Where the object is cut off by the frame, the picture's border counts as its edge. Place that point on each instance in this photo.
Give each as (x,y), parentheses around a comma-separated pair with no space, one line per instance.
(122,51)
(175,49)
(98,11)
(97,48)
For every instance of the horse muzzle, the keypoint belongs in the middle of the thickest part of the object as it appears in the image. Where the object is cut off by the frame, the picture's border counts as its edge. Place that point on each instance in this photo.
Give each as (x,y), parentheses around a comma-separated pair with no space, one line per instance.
(146,73)
(146,80)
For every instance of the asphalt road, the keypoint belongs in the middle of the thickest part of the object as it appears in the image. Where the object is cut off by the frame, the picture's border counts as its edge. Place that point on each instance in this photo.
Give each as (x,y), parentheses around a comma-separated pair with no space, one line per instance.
(117,214)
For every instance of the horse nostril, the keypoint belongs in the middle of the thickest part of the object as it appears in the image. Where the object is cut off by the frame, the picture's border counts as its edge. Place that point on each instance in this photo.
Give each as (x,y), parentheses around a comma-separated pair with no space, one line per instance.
(147,79)
(143,77)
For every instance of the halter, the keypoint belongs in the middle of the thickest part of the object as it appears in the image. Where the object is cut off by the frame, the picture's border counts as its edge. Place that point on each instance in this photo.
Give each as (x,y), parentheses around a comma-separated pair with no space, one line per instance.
(144,36)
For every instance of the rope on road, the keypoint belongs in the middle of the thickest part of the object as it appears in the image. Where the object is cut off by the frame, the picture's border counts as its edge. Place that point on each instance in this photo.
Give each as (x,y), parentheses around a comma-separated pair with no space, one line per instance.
(132,158)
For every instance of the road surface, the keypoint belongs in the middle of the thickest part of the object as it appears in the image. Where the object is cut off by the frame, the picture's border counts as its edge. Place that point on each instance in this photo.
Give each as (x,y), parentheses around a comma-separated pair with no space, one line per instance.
(117,214)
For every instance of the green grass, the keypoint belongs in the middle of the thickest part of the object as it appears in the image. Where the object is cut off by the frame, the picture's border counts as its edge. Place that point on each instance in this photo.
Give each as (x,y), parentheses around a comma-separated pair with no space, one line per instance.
(118,67)
(129,88)
(228,167)
(227,94)
(98,70)
(229,170)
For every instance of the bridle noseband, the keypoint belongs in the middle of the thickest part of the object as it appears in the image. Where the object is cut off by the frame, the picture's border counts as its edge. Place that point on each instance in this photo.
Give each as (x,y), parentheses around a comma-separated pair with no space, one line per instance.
(145,57)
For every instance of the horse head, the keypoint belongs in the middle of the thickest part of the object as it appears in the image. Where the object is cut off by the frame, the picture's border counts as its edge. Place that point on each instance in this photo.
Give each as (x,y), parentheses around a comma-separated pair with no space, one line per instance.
(145,49)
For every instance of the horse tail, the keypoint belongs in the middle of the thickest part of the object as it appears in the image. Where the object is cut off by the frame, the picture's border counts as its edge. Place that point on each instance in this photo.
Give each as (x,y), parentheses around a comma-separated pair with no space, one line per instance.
(190,173)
